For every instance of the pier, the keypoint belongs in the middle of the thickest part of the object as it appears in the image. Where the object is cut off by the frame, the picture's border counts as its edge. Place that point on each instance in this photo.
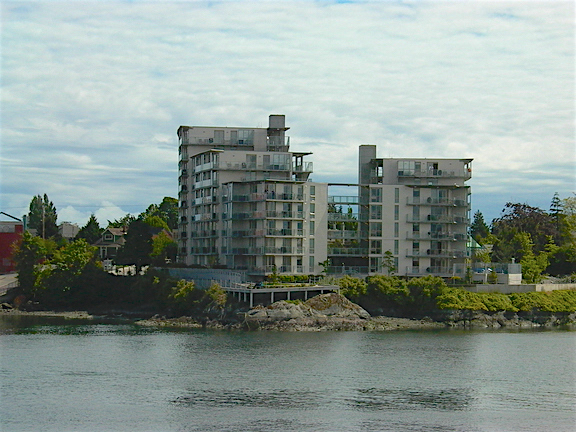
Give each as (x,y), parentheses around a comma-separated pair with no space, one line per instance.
(267,294)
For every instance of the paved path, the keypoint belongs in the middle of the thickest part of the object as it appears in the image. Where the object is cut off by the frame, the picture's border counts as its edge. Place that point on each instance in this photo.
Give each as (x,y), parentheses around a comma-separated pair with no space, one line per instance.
(7,281)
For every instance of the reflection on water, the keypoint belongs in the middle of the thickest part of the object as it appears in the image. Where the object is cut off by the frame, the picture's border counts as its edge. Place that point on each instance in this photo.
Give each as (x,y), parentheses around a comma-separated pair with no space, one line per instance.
(80,375)
(277,399)
(363,399)
(448,399)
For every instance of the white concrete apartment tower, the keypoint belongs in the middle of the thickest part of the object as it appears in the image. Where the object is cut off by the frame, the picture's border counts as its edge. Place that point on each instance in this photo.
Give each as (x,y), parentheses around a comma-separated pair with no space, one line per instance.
(246,202)
(418,210)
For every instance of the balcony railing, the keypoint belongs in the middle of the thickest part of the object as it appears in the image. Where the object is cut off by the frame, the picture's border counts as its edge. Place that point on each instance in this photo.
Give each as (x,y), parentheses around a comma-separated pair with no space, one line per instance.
(449,219)
(411,235)
(285,214)
(450,202)
(304,167)
(465,174)
(437,253)
(347,251)
(343,199)
(285,232)
(338,234)
(456,270)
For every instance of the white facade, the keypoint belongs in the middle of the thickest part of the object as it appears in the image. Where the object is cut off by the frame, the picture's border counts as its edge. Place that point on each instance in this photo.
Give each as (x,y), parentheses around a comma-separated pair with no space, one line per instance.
(246,202)
(418,210)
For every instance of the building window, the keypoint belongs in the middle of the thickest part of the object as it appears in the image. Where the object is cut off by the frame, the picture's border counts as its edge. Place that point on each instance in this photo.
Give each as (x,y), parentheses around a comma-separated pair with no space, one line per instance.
(396,229)
(375,229)
(311,264)
(396,212)
(312,226)
(396,195)
(396,247)
(376,195)
(311,245)
(376,212)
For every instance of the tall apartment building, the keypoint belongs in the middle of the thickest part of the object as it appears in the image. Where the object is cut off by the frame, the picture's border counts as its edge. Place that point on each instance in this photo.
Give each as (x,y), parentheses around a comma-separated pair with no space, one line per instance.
(413,214)
(246,201)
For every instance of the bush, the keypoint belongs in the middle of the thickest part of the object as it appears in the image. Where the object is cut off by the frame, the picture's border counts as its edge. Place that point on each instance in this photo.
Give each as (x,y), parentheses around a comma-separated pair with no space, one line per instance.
(353,288)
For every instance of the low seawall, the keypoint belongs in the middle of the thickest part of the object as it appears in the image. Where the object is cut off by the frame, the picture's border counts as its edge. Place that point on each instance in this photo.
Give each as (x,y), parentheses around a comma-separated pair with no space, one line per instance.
(520,288)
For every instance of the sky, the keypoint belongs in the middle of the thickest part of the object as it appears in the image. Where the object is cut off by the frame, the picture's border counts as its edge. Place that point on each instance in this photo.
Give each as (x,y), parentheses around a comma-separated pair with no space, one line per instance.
(92,93)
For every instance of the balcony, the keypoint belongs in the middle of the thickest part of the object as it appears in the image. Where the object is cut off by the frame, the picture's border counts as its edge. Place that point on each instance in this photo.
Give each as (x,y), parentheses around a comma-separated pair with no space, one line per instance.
(253,197)
(304,167)
(248,215)
(442,219)
(343,200)
(437,173)
(284,196)
(448,202)
(283,250)
(348,251)
(411,235)
(456,270)
(277,144)
(214,143)
(343,235)
(284,232)
(285,215)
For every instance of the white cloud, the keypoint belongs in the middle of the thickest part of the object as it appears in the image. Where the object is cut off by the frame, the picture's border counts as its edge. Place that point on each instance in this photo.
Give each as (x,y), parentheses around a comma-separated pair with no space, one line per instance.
(93,92)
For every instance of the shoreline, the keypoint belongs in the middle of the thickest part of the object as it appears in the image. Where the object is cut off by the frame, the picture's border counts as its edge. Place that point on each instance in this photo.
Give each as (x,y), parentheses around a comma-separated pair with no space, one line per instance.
(307,324)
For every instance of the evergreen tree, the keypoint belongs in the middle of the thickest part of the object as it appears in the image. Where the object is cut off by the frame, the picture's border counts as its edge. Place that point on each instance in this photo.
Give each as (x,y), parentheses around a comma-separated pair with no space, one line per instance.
(138,247)
(167,210)
(90,232)
(124,221)
(478,229)
(42,217)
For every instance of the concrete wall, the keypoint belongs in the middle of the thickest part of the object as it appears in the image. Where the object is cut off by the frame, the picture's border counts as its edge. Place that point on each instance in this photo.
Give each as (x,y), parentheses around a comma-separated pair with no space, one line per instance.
(520,288)
(203,278)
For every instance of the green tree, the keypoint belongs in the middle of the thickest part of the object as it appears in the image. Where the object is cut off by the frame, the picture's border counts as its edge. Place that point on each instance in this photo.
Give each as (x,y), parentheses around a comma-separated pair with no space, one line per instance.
(184,296)
(214,300)
(138,247)
(163,248)
(388,291)
(42,217)
(353,288)
(123,222)
(156,221)
(564,261)
(167,210)
(388,262)
(423,293)
(28,253)
(91,232)
(533,264)
(60,282)
(521,218)
(478,229)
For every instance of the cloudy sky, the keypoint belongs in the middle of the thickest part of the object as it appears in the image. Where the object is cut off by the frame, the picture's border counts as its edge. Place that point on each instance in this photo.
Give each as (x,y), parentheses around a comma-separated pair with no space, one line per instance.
(93,92)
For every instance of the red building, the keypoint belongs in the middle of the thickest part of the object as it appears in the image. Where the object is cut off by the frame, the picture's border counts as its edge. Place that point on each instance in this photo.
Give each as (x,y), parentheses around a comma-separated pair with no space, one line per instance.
(10,233)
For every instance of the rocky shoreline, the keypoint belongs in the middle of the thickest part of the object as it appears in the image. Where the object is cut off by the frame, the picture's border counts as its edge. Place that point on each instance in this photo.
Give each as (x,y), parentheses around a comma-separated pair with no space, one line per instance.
(326,312)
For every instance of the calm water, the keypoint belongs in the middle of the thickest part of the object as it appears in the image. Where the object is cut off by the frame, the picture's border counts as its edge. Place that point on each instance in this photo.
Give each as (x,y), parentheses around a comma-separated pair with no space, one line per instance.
(60,375)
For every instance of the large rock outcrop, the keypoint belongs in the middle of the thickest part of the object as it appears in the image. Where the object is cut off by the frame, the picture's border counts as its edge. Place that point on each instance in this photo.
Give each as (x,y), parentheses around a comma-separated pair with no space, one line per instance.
(323,312)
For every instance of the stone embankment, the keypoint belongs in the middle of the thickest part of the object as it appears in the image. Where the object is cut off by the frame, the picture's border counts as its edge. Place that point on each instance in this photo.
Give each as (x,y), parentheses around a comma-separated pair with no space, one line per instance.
(330,312)
(323,313)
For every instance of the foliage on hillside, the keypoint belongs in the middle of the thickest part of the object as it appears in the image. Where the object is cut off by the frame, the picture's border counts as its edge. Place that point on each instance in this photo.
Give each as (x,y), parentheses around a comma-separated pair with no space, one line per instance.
(541,241)
(418,297)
